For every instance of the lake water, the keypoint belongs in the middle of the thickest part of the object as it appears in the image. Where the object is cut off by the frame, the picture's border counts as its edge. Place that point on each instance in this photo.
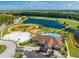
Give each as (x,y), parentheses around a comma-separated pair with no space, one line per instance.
(75,33)
(46,23)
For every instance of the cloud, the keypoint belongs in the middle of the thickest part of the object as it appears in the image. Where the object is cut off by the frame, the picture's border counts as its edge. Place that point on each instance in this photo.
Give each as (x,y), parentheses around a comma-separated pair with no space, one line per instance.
(38,5)
(29,5)
(70,4)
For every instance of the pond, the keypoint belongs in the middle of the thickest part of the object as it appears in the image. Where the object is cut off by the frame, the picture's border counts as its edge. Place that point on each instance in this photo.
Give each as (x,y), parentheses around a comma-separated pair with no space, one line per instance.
(74,32)
(46,23)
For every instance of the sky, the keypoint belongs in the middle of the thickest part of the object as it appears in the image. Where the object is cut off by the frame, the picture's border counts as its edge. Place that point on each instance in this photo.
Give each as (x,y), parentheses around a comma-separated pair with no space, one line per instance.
(39,5)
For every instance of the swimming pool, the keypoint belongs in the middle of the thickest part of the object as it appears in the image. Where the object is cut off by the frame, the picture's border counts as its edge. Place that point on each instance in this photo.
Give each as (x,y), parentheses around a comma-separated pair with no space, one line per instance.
(54,35)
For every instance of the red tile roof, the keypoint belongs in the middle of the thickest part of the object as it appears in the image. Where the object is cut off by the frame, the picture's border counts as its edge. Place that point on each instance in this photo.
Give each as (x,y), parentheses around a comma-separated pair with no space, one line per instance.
(50,41)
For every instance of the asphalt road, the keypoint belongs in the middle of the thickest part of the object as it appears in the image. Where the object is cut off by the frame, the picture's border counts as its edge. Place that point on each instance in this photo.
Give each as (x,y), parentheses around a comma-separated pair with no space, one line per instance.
(10,50)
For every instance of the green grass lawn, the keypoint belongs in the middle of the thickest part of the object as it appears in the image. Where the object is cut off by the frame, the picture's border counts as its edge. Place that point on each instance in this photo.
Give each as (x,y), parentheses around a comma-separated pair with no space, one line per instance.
(5,18)
(2,48)
(70,23)
(18,55)
(73,50)
(21,21)
(6,30)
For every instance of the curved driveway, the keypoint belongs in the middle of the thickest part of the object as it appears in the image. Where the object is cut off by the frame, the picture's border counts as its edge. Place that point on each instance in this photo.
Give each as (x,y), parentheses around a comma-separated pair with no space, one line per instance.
(10,50)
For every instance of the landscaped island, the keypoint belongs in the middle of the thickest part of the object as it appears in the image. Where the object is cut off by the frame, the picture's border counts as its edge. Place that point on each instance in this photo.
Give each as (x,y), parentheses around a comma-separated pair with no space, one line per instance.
(2,48)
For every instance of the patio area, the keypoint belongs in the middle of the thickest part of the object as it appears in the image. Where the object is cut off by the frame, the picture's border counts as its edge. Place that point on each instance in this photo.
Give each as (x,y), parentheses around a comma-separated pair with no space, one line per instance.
(18,36)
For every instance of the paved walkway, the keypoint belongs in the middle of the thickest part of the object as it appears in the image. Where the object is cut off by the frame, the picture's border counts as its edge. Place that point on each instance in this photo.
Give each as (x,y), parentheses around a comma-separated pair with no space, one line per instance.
(2,29)
(68,53)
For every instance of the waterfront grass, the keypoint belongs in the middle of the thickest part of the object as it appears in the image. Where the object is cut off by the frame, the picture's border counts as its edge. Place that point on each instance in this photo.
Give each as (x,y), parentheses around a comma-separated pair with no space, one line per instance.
(72,48)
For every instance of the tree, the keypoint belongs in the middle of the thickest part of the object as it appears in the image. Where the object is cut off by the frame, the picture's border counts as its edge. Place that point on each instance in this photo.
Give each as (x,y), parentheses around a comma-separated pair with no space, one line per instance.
(77,27)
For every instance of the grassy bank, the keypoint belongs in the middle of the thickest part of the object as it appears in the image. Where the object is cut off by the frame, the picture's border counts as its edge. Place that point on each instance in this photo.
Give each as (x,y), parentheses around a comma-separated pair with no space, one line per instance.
(2,48)
(73,50)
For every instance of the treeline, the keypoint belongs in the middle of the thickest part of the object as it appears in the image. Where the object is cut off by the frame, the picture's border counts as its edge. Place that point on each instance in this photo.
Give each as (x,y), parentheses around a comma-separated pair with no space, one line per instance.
(49,14)
(6,18)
